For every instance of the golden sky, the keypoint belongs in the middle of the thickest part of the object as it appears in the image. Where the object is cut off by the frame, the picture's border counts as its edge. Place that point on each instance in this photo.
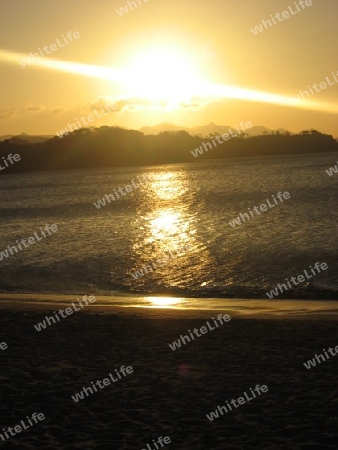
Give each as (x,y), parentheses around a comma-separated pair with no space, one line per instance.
(178,61)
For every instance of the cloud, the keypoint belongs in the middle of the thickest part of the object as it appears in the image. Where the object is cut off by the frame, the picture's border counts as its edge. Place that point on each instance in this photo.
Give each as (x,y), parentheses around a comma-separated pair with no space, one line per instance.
(191,105)
(116,105)
(57,110)
(7,113)
(132,104)
(119,105)
(107,105)
(34,108)
(102,103)
(44,109)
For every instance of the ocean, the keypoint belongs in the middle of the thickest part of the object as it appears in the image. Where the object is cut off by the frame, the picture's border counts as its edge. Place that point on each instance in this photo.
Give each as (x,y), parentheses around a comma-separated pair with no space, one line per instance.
(171,232)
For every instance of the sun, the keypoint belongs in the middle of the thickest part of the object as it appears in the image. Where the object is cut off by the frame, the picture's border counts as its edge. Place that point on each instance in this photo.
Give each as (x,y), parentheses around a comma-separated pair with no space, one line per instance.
(163,74)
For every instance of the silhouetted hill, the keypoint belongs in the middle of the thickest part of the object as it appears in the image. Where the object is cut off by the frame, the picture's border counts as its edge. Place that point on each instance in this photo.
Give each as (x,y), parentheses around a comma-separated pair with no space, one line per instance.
(206,130)
(114,147)
(27,137)
(161,128)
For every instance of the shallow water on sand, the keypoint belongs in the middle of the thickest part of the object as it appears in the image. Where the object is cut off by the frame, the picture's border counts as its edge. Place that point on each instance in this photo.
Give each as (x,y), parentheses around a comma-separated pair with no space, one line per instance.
(173,306)
(99,250)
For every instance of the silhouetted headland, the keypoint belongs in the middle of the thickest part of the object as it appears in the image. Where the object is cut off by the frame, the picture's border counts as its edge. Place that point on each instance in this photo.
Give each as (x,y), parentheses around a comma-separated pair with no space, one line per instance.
(89,148)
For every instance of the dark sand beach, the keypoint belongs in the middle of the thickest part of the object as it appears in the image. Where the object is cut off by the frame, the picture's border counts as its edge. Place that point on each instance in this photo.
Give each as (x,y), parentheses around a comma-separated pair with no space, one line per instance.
(169,392)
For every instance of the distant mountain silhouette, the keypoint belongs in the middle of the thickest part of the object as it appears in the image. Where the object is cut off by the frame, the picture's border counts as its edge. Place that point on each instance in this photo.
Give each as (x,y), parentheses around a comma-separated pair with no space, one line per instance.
(27,137)
(89,148)
(161,128)
(206,130)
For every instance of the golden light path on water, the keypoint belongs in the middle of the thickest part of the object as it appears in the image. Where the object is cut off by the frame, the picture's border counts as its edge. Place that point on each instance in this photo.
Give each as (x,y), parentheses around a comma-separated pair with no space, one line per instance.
(165,223)
(212,92)
(163,302)
(167,236)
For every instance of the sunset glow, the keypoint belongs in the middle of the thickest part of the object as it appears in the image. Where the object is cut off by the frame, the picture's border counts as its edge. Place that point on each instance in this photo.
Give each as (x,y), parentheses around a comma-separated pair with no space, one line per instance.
(168,76)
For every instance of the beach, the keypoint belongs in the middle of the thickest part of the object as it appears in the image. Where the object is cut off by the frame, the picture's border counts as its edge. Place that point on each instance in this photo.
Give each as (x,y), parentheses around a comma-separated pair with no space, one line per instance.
(169,393)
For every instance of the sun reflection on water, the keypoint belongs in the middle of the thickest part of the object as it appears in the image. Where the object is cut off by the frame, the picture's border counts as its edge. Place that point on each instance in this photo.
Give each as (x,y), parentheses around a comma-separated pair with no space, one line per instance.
(165,302)
(164,216)
(168,186)
(166,241)
(168,223)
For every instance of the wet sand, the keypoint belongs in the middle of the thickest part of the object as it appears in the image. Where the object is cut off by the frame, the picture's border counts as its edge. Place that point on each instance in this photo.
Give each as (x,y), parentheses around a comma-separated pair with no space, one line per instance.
(169,392)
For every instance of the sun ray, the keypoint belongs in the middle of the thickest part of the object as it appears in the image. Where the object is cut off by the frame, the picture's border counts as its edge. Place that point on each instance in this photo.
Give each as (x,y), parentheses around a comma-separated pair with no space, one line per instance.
(87,70)
(149,90)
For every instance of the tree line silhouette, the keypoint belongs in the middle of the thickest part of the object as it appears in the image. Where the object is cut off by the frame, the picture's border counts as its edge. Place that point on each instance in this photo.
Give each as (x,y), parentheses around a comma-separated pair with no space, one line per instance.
(115,147)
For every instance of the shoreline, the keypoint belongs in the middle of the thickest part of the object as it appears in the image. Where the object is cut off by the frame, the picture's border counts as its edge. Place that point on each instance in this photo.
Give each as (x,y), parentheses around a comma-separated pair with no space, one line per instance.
(178,307)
